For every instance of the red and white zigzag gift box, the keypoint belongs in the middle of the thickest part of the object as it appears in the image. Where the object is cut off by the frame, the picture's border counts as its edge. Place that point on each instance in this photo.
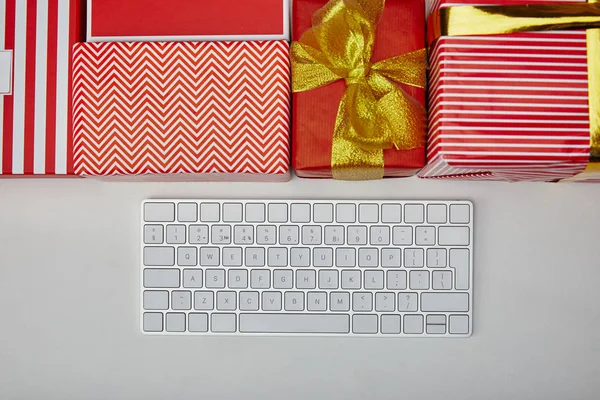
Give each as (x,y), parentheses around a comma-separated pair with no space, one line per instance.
(182,107)
(508,107)
(36,37)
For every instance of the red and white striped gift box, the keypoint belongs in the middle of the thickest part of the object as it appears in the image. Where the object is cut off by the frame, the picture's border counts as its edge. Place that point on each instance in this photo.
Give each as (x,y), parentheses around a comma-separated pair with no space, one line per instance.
(508,107)
(207,108)
(36,37)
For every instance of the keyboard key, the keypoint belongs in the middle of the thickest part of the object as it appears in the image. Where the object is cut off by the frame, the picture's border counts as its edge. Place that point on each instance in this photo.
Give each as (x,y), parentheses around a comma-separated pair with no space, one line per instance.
(460,214)
(215,278)
(328,279)
(277,257)
(391,213)
(278,212)
(345,257)
(153,234)
(161,278)
(414,213)
(187,212)
(306,279)
(198,322)
(407,302)
(435,324)
(265,234)
(380,235)
(203,300)
(334,235)
(176,234)
(156,300)
(436,258)
(373,280)
(385,301)
(413,324)
(339,301)
(255,212)
(364,323)
(413,258)
(357,235)
(300,212)
(232,212)
(260,279)
(175,322)
(226,301)
(454,236)
(271,301)
(283,279)
(311,235)
(445,302)
(224,323)
(391,258)
(289,235)
(181,300)
(192,278)
(396,280)
(390,324)
(402,235)
(323,213)
(323,257)
(220,234)
(316,301)
(209,256)
(459,324)
(153,322)
(159,212)
(419,280)
(255,257)
(237,279)
(442,280)
(198,234)
(159,256)
(232,256)
(459,260)
(294,301)
(294,323)
(243,234)
(187,256)
(210,212)
(351,279)
(362,301)
(249,301)
(368,213)
(300,257)
(439,319)
(436,213)
(425,236)
(368,257)
(345,213)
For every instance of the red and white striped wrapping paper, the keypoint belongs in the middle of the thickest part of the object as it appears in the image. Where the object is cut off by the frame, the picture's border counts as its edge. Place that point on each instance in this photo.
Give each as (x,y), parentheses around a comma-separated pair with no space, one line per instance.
(508,107)
(187,107)
(36,37)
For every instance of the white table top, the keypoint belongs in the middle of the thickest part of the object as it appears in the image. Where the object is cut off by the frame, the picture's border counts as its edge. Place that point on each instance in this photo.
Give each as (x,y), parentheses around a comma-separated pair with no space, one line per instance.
(69,326)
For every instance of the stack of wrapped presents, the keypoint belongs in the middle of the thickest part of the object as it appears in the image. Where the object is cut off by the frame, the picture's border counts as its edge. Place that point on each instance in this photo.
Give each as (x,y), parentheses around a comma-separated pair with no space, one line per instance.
(346,89)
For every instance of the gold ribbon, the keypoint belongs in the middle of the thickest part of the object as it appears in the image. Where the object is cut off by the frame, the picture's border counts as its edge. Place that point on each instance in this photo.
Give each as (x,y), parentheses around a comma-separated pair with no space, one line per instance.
(374,112)
(495,20)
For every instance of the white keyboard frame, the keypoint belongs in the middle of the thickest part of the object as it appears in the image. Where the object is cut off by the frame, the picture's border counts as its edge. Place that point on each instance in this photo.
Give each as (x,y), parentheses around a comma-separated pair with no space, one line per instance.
(350,312)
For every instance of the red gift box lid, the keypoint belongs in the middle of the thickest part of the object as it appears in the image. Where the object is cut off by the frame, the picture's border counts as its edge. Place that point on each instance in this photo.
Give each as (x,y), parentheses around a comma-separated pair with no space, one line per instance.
(187,20)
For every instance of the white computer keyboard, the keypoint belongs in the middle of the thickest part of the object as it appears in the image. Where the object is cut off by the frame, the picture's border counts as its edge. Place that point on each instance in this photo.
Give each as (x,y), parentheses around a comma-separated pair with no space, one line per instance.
(326,267)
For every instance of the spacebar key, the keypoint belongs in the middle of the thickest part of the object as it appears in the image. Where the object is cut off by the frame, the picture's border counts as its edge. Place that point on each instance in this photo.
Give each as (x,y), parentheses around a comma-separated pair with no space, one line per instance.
(294,323)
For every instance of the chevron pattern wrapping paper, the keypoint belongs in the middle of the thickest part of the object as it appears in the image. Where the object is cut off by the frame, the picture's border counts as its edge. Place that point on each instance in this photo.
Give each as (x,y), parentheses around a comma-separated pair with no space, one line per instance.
(188,107)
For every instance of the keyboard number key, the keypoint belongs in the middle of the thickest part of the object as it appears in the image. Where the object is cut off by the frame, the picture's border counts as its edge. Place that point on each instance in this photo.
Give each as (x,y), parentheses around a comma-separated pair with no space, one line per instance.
(266,234)
(220,234)
(357,235)
(311,235)
(176,234)
(289,234)
(198,234)
(380,235)
(334,235)
(243,234)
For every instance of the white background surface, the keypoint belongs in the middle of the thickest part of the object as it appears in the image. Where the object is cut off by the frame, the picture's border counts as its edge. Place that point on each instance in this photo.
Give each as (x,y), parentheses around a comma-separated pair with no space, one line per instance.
(69,303)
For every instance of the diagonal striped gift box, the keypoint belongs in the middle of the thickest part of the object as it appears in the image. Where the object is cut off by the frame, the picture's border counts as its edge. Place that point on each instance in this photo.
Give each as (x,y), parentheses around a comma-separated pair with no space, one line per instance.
(36,37)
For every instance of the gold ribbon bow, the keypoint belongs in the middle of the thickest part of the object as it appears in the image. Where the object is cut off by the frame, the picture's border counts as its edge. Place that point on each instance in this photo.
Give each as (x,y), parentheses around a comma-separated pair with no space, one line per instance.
(494,20)
(374,112)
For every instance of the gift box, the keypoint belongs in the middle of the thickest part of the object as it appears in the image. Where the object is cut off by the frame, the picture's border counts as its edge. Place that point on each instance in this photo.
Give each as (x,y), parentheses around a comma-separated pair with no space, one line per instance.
(219,110)
(508,106)
(35,96)
(399,31)
(187,20)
